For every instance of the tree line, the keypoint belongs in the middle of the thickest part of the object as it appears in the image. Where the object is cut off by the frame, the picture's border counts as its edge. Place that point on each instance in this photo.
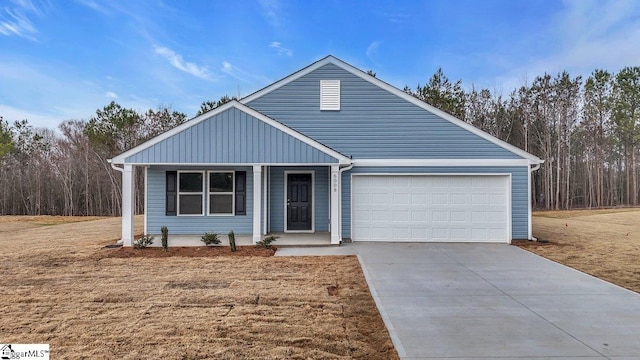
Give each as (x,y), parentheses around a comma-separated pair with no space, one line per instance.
(587,131)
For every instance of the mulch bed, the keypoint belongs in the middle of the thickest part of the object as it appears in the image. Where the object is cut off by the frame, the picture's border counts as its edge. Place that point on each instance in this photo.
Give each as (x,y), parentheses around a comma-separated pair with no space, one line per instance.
(186,251)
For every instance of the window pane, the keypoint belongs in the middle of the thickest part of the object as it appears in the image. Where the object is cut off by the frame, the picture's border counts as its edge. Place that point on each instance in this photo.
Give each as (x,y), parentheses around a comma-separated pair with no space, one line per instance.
(221,204)
(190,182)
(190,204)
(221,182)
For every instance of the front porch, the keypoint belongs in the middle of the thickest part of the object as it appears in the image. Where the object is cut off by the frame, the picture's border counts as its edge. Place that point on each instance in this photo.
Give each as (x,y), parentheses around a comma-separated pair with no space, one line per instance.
(284,239)
(300,204)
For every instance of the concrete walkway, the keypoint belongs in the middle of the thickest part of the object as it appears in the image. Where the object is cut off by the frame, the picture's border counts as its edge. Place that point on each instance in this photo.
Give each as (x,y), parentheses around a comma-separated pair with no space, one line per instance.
(470,301)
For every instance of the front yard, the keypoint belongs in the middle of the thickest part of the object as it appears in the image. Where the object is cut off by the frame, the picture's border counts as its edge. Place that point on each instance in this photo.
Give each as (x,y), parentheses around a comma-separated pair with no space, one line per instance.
(61,287)
(604,243)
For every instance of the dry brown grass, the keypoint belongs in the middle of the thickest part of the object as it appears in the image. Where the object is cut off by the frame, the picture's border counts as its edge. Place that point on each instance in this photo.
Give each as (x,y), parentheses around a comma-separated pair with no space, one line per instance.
(59,288)
(603,243)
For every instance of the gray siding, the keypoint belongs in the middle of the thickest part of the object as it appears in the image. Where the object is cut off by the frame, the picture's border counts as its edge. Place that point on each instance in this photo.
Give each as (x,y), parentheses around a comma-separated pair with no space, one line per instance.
(193,225)
(519,191)
(372,122)
(232,137)
(321,197)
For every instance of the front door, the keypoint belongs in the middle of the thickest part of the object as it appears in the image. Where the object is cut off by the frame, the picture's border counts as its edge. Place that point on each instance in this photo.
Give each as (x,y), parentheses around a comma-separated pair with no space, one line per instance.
(299,206)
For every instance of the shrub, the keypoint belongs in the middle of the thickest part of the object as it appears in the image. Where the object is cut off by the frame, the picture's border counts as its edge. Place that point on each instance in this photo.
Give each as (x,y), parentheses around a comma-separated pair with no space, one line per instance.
(266,242)
(232,241)
(165,238)
(210,238)
(143,242)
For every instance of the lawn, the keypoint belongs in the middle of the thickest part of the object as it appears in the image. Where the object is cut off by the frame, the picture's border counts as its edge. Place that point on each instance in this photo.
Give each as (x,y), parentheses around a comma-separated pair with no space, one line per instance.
(61,287)
(604,243)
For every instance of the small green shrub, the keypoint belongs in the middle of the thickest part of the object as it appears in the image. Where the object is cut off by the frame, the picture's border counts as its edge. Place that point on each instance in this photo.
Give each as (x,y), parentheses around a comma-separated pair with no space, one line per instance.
(210,238)
(232,241)
(143,242)
(165,238)
(266,242)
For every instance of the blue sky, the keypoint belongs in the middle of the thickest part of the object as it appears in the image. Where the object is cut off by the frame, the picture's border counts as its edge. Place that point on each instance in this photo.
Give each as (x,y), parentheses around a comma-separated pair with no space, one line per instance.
(63,59)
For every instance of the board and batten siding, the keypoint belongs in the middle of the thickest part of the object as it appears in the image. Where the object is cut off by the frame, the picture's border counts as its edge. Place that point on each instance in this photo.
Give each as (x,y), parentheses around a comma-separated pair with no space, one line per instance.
(232,137)
(519,191)
(193,225)
(372,123)
(321,196)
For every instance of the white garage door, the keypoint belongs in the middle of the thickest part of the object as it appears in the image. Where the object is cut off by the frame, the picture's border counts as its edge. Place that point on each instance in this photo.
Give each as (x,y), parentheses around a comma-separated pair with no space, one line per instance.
(437,208)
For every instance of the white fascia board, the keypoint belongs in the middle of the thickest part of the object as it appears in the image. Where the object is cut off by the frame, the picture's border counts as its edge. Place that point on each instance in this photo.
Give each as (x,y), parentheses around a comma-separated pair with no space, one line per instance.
(440,162)
(119,159)
(375,81)
(287,130)
(430,174)
(282,82)
(291,132)
(200,165)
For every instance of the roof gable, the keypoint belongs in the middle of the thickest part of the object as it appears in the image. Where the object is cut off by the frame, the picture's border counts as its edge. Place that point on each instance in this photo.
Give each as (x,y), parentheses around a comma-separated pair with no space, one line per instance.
(231,134)
(430,132)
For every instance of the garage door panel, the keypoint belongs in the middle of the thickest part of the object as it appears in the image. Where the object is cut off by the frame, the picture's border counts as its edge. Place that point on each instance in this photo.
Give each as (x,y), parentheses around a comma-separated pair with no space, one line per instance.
(379,215)
(401,198)
(419,199)
(440,216)
(450,208)
(497,199)
(458,216)
(419,215)
(458,199)
(497,216)
(440,199)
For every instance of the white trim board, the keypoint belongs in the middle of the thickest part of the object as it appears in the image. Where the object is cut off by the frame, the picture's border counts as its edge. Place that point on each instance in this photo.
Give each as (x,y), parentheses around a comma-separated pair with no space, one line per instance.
(440,162)
(375,81)
(200,165)
(430,174)
(120,159)
(146,198)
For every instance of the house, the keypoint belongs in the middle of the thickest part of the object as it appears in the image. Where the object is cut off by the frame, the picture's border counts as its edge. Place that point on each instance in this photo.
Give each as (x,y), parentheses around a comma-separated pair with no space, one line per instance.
(331,150)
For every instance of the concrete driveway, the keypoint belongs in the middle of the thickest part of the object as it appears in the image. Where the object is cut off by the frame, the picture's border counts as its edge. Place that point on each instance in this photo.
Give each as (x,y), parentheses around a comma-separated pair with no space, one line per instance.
(469,301)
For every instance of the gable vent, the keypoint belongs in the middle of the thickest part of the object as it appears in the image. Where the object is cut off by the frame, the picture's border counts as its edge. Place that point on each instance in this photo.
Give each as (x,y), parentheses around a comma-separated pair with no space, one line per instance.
(329,94)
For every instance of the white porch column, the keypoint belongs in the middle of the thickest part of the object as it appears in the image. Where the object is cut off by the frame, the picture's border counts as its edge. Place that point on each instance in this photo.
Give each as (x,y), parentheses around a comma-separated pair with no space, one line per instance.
(128,207)
(257,201)
(335,205)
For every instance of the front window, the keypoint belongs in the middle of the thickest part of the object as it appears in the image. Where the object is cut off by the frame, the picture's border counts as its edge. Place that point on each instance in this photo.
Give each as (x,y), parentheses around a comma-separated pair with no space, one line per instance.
(221,193)
(190,193)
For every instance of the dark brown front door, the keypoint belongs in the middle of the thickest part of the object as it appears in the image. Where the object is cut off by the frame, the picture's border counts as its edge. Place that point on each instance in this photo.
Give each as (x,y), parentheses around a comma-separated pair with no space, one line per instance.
(299,202)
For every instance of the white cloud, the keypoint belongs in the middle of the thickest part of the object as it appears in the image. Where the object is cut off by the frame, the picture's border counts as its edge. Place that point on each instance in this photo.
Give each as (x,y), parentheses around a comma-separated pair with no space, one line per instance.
(93,5)
(234,72)
(590,35)
(372,49)
(280,49)
(240,74)
(14,19)
(111,94)
(178,62)
(271,10)
(11,114)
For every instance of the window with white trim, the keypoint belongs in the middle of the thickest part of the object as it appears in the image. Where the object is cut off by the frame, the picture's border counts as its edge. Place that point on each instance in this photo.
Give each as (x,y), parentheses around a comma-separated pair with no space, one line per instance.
(190,193)
(329,94)
(221,192)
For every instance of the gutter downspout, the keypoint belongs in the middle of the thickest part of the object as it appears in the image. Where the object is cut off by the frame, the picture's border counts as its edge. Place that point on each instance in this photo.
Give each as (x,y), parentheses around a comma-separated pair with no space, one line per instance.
(340,171)
(531,170)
